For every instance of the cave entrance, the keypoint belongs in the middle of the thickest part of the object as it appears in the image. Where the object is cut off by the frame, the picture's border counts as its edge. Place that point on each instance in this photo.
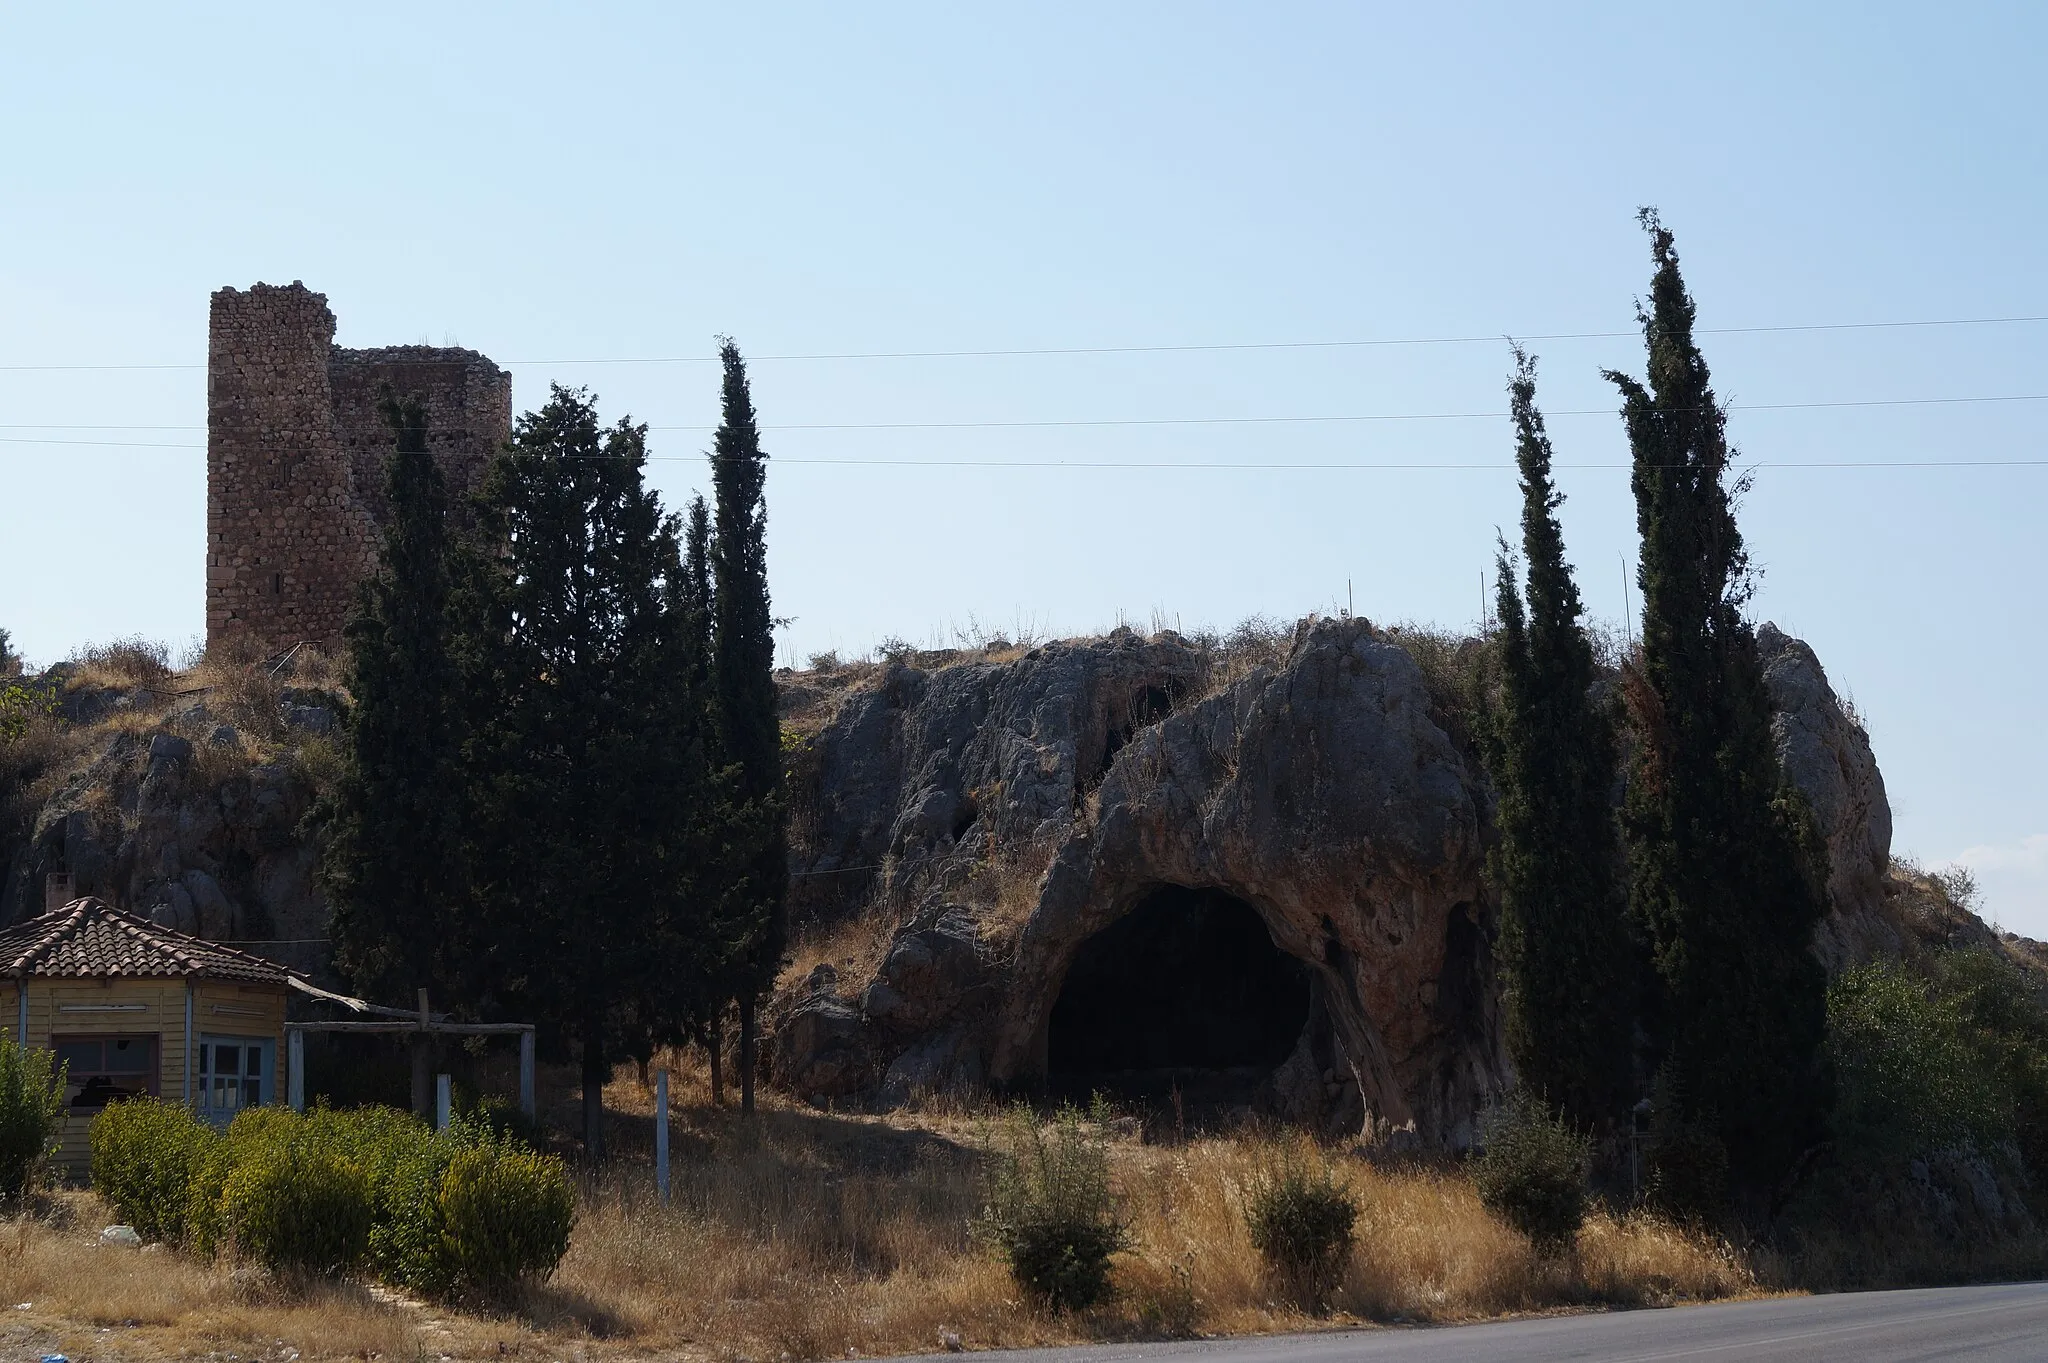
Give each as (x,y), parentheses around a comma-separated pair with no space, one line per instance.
(1187,993)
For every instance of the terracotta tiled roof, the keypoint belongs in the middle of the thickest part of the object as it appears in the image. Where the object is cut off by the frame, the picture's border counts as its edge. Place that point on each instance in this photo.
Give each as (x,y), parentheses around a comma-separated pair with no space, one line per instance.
(90,938)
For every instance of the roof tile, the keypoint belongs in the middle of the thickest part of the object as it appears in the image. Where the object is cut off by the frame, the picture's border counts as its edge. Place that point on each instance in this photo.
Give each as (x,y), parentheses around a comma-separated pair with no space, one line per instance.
(90,938)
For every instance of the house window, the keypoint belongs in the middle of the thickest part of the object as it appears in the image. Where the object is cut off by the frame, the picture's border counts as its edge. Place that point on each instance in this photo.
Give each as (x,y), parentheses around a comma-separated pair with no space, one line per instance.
(234,1073)
(103,1069)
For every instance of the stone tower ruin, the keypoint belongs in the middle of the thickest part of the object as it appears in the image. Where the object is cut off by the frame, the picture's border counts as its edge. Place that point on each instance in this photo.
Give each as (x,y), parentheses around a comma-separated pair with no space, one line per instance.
(295,453)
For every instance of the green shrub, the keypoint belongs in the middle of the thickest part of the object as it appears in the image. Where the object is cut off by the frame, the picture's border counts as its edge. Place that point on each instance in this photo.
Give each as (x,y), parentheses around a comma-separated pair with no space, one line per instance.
(296,1202)
(404,1160)
(506,1214)
(1052,1212)
(1532,1173)
(206,1226)
(31,1101)
(144,1156)
(1301,1224)
(466,1210)
(1908,1081)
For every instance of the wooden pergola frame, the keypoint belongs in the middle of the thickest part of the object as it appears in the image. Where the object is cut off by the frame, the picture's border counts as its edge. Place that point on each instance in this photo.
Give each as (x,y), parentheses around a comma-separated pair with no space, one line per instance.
(399,1022)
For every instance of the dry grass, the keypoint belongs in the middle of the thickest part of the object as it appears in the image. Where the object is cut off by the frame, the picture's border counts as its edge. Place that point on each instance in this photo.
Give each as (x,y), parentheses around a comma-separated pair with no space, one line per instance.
(124,663)
(852,946)
(94,1301)
(807,1234)
(811,1234)
(1003,890)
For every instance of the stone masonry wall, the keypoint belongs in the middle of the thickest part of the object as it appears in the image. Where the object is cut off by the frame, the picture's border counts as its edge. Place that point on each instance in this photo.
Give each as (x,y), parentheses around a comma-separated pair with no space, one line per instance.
(295,457)
(469,412)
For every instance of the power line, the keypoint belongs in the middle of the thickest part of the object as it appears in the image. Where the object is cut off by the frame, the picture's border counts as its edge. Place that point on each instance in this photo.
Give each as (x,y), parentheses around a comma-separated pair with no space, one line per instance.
(1157,349)
(1198,466)
(1112,422)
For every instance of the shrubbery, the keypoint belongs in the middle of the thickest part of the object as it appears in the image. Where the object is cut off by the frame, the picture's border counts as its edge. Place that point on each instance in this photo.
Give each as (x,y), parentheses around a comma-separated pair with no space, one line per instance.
(1532,1173)
(297,1202)
(1052,1212)
(31,1099)
(462,1211)
(1909,1081)
(144,1158)
(1301,1223)
(506,1214)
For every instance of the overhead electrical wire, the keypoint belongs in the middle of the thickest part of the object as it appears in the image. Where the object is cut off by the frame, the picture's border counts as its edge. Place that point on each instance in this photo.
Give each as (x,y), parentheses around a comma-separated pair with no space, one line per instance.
(1091,422)
(1161,349)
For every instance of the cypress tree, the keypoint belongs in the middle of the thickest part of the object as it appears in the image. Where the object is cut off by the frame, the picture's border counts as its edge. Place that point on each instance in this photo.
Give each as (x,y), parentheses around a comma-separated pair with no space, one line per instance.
(706,1008)
(743,705)
(393,865)
(1723,879)
(585,842)
(1564,942)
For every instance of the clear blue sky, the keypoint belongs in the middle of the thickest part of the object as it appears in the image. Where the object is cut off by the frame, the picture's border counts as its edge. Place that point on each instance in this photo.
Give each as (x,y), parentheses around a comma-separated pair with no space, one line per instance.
(627,180)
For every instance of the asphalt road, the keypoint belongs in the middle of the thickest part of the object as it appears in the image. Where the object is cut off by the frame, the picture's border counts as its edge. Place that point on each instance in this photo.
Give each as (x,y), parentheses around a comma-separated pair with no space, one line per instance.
(1987,1324)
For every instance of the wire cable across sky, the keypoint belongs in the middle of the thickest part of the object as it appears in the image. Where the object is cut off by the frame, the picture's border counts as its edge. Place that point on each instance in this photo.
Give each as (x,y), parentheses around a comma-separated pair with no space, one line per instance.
(1171,348)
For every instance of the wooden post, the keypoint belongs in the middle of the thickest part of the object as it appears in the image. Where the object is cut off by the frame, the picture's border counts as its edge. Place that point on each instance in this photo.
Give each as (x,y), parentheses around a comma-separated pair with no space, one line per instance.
(422,1065)
(661,1134)
(443,1104)
(295,1068)
(526,1097)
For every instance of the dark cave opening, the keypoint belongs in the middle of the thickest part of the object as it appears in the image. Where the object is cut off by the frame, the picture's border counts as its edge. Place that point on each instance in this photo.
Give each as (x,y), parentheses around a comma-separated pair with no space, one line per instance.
(1185,993)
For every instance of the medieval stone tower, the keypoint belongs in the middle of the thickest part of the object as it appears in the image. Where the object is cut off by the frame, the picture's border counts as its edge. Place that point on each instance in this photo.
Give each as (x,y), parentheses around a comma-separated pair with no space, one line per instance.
(295,456)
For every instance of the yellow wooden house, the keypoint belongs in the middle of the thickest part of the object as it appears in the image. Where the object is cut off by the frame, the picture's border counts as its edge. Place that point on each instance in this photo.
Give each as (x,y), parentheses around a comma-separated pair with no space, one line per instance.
(130,1007)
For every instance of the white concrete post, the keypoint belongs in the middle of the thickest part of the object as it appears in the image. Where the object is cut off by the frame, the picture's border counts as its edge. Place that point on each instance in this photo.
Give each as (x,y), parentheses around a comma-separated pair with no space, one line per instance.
(661,1134)
(295,1068)
(526,1100)
(443,1106)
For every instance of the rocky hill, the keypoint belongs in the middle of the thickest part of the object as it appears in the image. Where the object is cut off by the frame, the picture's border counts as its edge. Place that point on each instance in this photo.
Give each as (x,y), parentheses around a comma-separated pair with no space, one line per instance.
(1059,866)
(182,795)
(1244,873)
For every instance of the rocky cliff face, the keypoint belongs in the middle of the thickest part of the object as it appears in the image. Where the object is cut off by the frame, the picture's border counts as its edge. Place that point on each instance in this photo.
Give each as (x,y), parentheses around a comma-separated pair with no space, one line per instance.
(990,821)
(160,804)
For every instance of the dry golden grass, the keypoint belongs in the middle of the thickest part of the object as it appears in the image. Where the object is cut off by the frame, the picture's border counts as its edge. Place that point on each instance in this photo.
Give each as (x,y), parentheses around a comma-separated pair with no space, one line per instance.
(108,1301)
(808,1234)
(124,663)
(853,946)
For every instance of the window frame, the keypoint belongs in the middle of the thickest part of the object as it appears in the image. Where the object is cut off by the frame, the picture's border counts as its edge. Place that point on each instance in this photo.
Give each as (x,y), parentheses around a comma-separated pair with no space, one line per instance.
(152,1076)
(204,1078)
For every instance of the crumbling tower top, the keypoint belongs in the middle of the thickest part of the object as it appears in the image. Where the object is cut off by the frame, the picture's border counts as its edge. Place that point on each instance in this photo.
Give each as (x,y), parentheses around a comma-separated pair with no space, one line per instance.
(295,455)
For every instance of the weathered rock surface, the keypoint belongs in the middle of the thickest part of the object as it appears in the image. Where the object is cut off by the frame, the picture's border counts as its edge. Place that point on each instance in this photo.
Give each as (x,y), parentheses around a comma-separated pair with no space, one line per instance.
(1004,813)
(1081,776)
(179,822)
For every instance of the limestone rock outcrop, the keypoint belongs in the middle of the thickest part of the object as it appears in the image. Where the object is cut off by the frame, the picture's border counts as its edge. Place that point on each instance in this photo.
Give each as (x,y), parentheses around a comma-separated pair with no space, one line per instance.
(169,813)
(994,816)
(1826,753)
(1016,809)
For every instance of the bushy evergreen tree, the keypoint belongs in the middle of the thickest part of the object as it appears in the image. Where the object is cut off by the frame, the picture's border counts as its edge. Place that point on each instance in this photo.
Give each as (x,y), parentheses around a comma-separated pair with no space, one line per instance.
(754,909)
(393,868)
(587,846)
(1565,951)
(1723,876)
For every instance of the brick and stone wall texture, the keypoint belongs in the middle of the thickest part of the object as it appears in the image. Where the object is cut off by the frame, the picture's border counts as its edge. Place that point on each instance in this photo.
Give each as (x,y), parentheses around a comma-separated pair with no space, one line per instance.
(295,453)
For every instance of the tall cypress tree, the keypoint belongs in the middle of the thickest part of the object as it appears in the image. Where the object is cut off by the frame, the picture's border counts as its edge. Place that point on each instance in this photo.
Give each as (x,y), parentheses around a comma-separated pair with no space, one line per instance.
(710,985)
(584,845)
(393,868)
(1722,867)
(743,703)
(1564,941)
